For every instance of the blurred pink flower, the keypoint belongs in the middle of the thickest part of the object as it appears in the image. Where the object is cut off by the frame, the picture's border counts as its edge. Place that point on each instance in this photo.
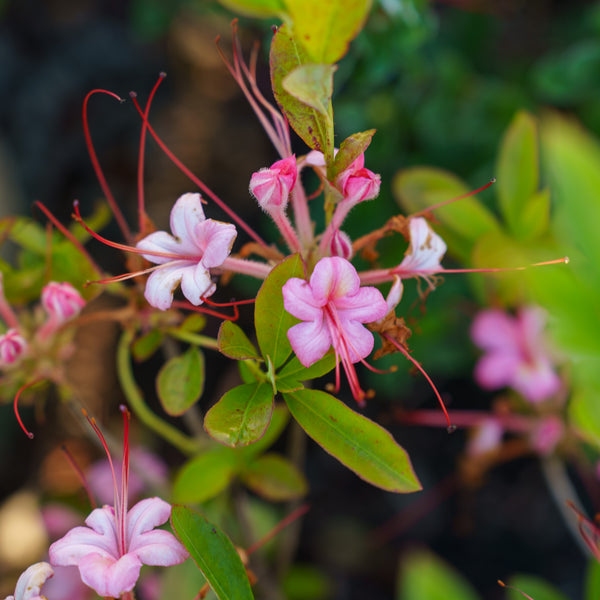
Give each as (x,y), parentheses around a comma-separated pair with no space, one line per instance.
(110,551)
(31,581)
(516,354)
(333,307)
(61,301)
(196,245)
(12,347)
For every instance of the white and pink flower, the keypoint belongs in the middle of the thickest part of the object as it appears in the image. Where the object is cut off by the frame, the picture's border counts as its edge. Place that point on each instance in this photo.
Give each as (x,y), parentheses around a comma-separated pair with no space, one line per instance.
(29,584)
(196,245)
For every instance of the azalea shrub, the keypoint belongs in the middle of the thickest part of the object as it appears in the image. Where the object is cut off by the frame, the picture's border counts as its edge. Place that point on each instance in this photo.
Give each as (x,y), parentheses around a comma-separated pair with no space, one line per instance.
(311,327)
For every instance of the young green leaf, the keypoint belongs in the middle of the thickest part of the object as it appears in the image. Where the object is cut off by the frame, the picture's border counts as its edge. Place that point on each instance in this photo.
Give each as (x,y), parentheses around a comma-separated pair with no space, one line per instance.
(274,478)
(234,343)
(256,8)
(271,319)
(214,554)
(205,476)
(312,84)
(534,217)
(146,345)
(350,149)
(357,442)
(242,415)
(180,382)
(312,126)
(325,29)
(294,372)
(517,169)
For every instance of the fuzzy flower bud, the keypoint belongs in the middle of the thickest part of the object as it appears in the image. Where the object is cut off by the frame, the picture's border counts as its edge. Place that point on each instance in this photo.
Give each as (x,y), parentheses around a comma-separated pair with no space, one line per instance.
(61,301)
(341,245)
(357,183)
(12,347)
(272,186)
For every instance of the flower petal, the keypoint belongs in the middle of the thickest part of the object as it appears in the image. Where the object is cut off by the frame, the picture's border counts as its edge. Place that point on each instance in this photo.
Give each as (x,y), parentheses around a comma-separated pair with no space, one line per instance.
(161,241)
(425,252)
(333,277)
(310,341)
(358,339)
(496,370)
(100,538)
(495,330)
(186,215)
(159,548)
(366,306)
(536,382)
(196,282)
(299,301)
(109,577)
(31,581)
(163,282)
(215,240)
(145,516)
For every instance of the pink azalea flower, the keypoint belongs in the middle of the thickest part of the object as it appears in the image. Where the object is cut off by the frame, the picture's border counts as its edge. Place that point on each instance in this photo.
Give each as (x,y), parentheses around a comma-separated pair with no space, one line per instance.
(185,257)
(110,551)
(12,347)
(333,307)
(425,252)
(272,186)
(515,353)
(61,301)
(31,581)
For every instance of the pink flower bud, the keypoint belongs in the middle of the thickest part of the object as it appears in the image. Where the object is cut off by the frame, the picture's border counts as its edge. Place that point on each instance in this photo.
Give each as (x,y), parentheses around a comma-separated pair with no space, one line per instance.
(341,245)
(12,347)
(61,301)
(272,186)
(357,183)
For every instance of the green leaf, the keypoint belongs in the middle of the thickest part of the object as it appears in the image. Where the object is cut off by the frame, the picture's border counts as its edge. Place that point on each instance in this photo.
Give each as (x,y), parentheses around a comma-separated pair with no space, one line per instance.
(535,587)
(242,415)
(313,127)
(205,476)
(279,420)
(423,576)
(180,382)
(325,29)
(584,414)
(312,84)
(271,319)
(193,323)
(350,149)
(305,581)
(517,169)
(256,8)
(214,554)
(592,581)
(275,478)
(357,442)
(294,372)
(234,343)
(535,216)
(462,222)
(146,345)
(30,235)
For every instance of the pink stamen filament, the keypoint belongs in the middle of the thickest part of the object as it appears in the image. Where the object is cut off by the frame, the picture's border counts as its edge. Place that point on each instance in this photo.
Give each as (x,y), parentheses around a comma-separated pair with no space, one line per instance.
(293,516)
(399,346)
(207,311)
(466,418)
(461,197)
(80,475)
(510,587)
(122,223)
(16,406)
(67,234)
(119,515)
(124,477)
(195,179)
(141,156)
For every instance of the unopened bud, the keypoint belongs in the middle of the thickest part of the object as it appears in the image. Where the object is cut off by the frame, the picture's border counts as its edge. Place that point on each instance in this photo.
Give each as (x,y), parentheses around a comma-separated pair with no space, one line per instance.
(341,245)
(358,184)
(12,347)
(272,186)
(61,301)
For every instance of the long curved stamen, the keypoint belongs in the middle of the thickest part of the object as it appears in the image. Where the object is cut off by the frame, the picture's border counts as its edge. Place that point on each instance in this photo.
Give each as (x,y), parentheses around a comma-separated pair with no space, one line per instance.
(141,156)
(122,223)
(16,406)
(124,276)
(67,234)
(213,313)
(510,587)
(117,499)
(77,216)
(195,179)
(451,200)
(451,428)
(124,479)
